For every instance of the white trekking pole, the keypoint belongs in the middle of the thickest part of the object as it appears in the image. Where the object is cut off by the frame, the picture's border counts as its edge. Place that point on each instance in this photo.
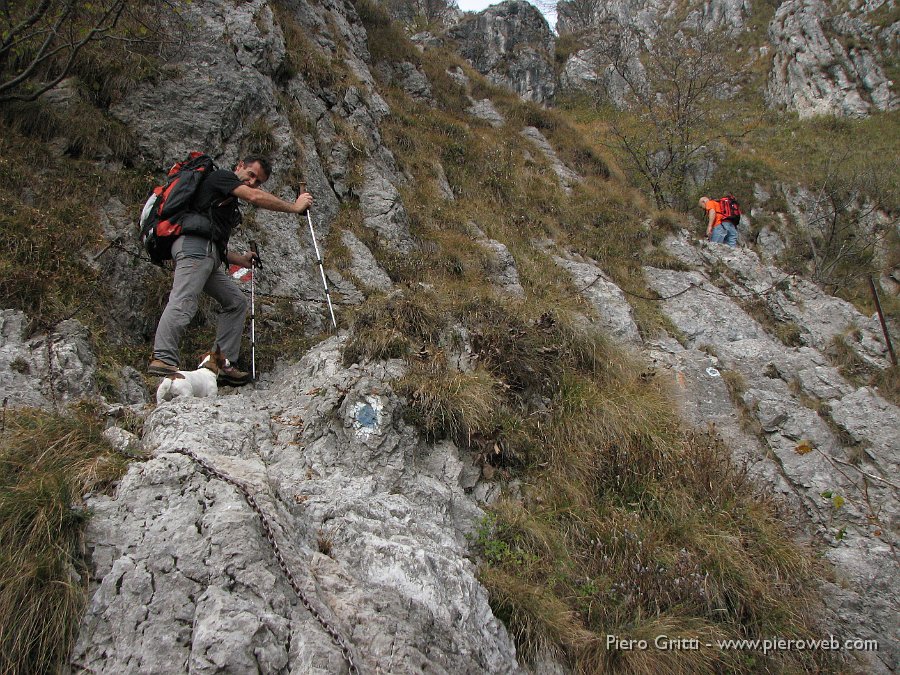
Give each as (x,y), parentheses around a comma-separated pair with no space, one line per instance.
(319,259)
(255,263)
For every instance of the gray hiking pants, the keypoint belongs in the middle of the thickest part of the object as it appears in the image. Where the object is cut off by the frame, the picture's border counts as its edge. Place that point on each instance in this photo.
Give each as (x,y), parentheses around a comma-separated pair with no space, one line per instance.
(194,275)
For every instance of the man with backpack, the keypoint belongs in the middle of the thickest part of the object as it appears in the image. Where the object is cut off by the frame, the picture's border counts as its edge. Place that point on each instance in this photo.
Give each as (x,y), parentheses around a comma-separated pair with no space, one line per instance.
(199,253)
(723,216)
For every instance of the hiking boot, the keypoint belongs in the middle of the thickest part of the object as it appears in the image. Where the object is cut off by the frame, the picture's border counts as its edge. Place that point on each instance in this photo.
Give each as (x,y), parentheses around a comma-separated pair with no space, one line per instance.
(233,376)
(158,367)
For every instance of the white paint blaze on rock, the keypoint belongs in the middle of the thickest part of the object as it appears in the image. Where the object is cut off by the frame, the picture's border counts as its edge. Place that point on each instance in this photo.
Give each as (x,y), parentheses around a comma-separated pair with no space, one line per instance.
(371,521)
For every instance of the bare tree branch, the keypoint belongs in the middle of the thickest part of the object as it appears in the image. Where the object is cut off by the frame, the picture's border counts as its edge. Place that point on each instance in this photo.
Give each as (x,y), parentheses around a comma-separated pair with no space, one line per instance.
(673,75)
(843,227)
(46,41)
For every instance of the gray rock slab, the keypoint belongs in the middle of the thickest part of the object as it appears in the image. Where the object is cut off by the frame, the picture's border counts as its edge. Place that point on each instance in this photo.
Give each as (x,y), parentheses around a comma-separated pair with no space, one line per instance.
(503,272)
(613,311)
(409,78)
(383,210)
(567,178)
(820,316)
(782,388)
(705,403)
(371,521)
(484,109)
(363,265)
(874,422)
(45,369)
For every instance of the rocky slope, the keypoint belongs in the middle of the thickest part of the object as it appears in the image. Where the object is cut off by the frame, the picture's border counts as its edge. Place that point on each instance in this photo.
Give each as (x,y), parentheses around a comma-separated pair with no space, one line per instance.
(826,58)
(354,544)
(512,45)
(820,58)
(371,522)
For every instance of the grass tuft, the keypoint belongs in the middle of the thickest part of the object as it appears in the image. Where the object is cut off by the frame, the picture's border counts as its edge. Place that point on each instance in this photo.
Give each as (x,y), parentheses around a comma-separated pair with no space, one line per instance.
(389,326)
(47,462)
(451,404)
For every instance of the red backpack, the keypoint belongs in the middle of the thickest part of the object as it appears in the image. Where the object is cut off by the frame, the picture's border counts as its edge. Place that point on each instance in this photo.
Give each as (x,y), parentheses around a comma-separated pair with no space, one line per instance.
(160,217)
(730,209)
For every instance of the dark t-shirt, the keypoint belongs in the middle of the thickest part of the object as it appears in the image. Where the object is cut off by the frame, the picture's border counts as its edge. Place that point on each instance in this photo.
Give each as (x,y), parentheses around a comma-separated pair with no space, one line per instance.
(215,192)
(215,213)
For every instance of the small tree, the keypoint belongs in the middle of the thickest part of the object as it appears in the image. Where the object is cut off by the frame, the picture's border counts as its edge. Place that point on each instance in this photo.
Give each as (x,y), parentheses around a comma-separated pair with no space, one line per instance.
(675,79)
(849,219)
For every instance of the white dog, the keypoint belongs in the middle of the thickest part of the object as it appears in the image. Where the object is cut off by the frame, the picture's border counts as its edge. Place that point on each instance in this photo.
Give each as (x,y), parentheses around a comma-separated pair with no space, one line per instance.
(199,383)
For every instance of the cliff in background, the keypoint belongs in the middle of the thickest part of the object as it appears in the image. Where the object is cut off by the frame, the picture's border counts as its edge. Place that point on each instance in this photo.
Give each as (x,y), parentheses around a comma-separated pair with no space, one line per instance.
(820,58)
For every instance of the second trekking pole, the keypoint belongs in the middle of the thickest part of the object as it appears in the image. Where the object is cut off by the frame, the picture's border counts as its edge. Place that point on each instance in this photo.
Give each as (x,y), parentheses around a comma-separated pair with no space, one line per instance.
(255,263)
(312,234)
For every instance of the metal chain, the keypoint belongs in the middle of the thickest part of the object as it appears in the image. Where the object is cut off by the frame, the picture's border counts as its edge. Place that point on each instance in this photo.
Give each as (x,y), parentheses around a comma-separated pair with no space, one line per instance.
(282,563)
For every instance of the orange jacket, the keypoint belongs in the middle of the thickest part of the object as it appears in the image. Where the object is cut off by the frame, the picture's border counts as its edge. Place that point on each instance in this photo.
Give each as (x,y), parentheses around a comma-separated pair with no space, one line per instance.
(713,205)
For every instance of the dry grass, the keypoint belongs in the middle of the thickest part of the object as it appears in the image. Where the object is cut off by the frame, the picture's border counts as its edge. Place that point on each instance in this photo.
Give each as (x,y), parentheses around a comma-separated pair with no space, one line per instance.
(47,462)
(627,524)
(388,327)
(302,56)
(48,217)
(451,404)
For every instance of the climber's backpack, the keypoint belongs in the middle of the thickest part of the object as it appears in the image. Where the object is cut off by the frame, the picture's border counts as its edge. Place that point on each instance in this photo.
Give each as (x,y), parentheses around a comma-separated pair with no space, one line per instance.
(161,214)
(730,209)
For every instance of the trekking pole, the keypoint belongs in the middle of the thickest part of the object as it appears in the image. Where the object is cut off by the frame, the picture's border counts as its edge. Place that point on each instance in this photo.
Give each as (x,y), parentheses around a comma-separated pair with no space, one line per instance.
(319,259)
(254,262)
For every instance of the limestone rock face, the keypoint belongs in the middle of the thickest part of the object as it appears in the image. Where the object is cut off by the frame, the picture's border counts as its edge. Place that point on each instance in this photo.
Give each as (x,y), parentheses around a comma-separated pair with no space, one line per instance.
(626,24)
(242,92)
(828,57)
(806,412)
(644,15)
(364,266)
(383,211)
(813,73)
(371,522)
(511,44)
(230,78)
(45,369)
(614,314)
(409,78)
(807,435)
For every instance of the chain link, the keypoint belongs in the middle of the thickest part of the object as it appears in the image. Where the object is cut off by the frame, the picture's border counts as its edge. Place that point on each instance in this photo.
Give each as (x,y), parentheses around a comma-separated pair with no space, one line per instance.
(279,556)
